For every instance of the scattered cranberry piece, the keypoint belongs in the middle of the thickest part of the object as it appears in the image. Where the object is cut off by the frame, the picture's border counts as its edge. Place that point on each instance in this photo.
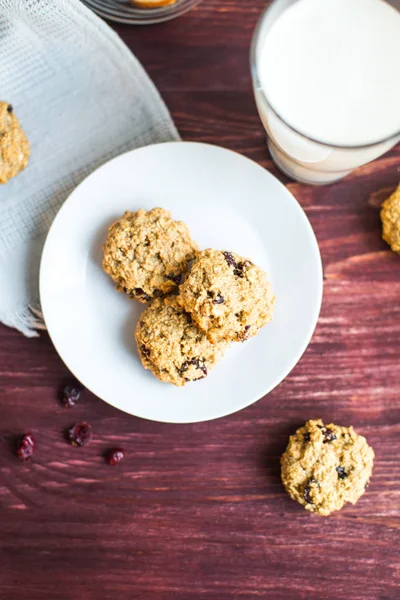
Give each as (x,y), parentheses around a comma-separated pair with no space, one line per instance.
(341,472)
(26,447)
(9,108)
(71,395)
(307,436)
(115,456)
(80,434)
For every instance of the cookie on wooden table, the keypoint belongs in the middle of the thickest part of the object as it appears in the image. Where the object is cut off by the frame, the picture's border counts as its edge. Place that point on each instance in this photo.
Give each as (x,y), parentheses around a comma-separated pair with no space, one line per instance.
(228,296)
(146,253)
(14,146)
(390,215)
(324,467)
(171,346)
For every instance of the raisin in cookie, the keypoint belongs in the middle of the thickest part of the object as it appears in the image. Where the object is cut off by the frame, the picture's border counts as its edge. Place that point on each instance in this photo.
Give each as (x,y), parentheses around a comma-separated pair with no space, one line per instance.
(324,467)
(390,215)
(146,253)
(14,146)
(228,296)
(171,346)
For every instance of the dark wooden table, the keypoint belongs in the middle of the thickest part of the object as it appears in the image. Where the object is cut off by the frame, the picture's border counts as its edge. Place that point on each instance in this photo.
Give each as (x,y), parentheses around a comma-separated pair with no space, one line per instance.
(198,511)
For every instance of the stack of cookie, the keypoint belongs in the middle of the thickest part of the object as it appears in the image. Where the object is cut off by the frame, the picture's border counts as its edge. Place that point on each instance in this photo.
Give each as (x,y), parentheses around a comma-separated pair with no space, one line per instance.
(197,309)
(194,314)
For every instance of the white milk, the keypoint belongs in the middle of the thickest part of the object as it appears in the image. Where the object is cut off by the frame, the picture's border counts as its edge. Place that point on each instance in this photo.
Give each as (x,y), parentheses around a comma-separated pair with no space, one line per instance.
(331,70)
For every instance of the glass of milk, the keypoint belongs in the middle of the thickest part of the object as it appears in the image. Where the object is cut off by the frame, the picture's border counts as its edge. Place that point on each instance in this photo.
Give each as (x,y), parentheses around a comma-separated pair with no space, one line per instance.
(326,77)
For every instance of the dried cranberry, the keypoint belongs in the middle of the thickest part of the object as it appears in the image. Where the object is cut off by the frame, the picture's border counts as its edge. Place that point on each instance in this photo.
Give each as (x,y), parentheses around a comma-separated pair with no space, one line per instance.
(145,351)
(241,267)
(128,292)
(71,395)
(219,299)
(307,491)
(198,363)
(328,434)
(229,259)
(139,293)
(341,472)
(115,456)
(26,447)
(307,436)
(175,278)
(245,333)
(307,497)
(9,108)
(80,434)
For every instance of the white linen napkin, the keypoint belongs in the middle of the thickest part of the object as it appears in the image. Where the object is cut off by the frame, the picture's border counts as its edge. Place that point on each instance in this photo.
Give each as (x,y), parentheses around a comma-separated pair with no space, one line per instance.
(82,98)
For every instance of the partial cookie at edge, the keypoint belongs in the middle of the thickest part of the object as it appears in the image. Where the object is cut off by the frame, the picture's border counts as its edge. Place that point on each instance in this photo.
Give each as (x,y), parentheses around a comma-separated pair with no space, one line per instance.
(14,145)
(390,216)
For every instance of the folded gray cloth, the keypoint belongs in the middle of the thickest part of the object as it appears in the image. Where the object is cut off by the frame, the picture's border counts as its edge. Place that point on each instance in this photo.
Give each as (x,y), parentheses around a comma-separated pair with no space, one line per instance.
(82,98)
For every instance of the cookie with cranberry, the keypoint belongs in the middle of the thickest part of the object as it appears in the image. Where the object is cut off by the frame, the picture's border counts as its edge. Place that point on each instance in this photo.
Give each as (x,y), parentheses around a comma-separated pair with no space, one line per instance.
(14,146)
(147,252)
(172,347)
(390,216)
(228,296)
(326,466)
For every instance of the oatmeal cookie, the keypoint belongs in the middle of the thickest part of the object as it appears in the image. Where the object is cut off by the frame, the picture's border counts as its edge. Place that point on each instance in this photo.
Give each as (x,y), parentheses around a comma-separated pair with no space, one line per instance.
(324,467)
(390,215)
(171,346)
(146,253)
(228,296)
(14,146)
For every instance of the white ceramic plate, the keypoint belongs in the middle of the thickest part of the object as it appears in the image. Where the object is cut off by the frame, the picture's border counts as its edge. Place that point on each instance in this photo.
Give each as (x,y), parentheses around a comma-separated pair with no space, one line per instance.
(229,202)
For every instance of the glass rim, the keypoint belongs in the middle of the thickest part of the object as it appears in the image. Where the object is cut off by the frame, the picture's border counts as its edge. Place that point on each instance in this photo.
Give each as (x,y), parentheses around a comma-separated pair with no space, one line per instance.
(257,84)
(121,11)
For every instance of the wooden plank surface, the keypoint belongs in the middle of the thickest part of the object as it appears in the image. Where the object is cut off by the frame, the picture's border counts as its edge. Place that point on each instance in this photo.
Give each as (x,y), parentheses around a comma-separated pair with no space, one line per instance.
(198,511)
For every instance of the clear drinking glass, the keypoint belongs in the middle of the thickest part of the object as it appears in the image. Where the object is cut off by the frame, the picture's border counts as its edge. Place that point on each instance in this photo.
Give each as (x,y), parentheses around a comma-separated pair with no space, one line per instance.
(300,157)
(126,11)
